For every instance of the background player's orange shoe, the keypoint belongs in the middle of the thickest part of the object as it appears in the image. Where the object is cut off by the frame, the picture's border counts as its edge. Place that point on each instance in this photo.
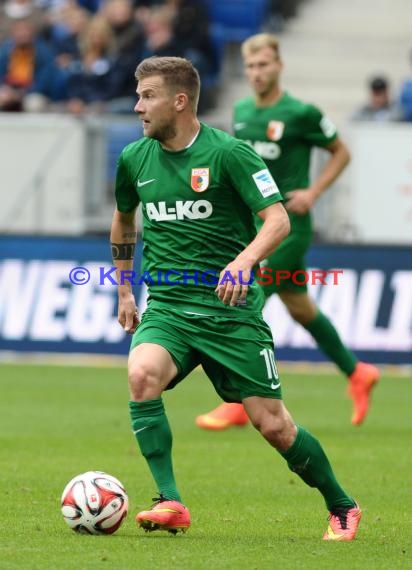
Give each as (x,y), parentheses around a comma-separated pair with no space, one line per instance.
(343,523)
(361,382)
(223,417)
(165,515)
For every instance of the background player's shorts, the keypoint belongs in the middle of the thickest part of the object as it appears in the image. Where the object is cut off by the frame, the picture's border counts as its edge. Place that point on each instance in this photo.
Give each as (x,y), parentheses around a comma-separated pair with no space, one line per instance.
(236,354)
(289,256)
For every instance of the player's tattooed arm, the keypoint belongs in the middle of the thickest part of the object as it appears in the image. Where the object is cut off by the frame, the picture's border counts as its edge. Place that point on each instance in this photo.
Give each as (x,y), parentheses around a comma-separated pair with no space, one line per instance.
(122,240)
(122,251)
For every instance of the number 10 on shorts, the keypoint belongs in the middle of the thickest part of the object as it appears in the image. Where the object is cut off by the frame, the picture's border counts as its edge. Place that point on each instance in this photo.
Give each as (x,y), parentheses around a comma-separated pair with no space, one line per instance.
(271,368)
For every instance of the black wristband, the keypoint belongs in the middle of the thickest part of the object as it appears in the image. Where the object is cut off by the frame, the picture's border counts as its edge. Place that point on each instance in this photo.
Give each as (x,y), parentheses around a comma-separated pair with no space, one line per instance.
(122,251)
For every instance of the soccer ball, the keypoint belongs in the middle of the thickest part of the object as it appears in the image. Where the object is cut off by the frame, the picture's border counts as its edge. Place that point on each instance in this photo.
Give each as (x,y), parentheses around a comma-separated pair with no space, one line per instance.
(94,503)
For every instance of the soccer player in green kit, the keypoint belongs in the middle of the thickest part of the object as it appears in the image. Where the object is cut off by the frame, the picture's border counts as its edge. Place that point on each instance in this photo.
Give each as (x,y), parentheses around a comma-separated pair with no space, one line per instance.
(283,130)
(200,189)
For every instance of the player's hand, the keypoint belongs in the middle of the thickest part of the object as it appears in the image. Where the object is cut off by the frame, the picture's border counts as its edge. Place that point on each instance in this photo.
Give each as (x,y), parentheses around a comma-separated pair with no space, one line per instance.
(232,288)
(128,313)
(300,201)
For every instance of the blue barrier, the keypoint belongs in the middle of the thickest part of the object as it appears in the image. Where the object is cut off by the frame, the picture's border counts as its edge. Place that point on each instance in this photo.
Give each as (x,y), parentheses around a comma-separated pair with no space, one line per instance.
(41,310)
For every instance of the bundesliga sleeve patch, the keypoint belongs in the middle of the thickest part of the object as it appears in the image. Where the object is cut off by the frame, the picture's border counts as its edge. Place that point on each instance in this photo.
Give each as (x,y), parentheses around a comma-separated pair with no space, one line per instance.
(265,183)
(328,128)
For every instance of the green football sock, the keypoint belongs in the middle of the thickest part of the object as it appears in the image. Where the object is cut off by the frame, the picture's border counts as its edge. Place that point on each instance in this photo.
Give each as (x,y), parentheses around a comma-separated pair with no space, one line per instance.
(328,340)
(307,459)
(152,430)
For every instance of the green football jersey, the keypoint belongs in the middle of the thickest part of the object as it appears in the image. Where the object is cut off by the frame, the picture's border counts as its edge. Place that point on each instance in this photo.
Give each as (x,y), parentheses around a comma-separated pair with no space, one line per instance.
(283,135)
(198,208)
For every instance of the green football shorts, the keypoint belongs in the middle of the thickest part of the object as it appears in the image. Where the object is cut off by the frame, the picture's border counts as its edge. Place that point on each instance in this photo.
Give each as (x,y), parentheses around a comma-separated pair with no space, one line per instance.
(236,354)
(288,257)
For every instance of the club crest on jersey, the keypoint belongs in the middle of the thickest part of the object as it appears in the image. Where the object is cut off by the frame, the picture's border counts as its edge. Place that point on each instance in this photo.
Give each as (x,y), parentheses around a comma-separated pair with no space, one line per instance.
(200,179)
(275,130)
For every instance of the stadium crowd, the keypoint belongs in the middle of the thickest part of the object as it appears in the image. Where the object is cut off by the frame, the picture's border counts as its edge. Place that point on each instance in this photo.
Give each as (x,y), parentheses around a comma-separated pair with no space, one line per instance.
(80,56)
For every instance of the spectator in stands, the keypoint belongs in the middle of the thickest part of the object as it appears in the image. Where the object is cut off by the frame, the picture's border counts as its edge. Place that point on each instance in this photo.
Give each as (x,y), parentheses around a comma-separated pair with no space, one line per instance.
(380,106)
(27,70)
(17,9)
(92,80)
(128,32)
(180,28)
(191,27)
(128,41)
(14,10)
(68,23)
(158,29)
(405,97)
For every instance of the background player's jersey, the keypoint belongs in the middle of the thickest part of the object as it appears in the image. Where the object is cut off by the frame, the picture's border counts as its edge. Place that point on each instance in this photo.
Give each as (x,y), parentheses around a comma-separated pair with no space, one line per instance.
(198,209)
(283,135)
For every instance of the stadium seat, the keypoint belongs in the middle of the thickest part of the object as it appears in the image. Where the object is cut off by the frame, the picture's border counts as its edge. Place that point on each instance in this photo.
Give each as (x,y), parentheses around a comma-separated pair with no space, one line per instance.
(239,19)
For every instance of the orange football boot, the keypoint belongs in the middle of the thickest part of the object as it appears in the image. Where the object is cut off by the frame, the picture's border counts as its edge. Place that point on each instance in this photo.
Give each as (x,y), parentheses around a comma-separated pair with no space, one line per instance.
(343,523)
(223,417)
(361,382)
(164,515)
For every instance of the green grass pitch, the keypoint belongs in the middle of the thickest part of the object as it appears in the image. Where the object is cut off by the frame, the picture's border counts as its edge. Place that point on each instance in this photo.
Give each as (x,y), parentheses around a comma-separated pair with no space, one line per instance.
(248,511)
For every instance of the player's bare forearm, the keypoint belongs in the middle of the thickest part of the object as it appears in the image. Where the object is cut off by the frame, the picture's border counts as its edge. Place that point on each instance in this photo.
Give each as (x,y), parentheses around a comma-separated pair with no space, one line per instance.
(301,200)
(338,160)
(123,236)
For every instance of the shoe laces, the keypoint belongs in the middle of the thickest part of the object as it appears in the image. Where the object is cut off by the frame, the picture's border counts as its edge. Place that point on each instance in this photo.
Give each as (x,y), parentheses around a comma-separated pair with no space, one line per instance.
(160,499)
(341,513)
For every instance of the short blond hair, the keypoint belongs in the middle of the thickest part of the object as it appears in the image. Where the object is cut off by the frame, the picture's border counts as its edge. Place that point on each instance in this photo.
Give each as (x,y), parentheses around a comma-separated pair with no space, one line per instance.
(178,73)
(259,41)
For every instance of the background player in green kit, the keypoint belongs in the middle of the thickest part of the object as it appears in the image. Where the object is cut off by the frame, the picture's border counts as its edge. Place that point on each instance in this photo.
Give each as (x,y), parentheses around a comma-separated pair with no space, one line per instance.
(284,130)
(199,189)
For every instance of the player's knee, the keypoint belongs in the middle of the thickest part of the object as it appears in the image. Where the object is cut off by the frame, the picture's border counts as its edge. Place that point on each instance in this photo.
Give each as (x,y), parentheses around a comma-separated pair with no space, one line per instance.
(143,381)
(278,430)
(272,430)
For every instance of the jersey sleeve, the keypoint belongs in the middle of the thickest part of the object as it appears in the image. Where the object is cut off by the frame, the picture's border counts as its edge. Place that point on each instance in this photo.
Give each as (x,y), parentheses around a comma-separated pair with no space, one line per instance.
(251,178)
(126,196)
(318,129)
